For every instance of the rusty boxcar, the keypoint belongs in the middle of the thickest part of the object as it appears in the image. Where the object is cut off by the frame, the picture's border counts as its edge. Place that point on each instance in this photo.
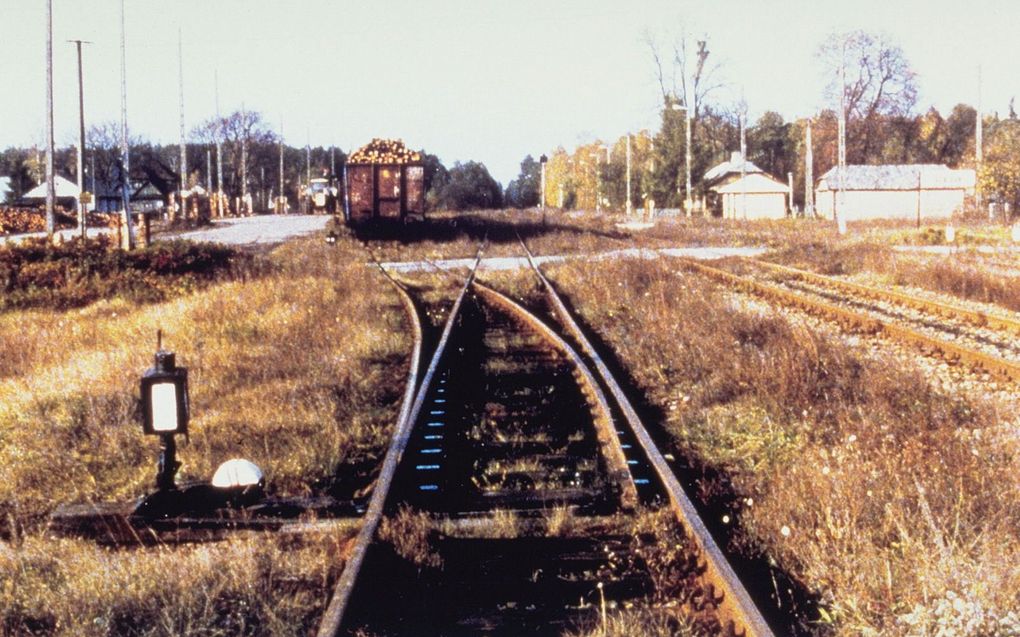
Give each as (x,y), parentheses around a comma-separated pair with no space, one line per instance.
(384,180)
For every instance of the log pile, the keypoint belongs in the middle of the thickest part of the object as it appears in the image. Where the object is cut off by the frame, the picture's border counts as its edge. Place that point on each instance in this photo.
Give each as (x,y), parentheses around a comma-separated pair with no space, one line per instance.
(384,151)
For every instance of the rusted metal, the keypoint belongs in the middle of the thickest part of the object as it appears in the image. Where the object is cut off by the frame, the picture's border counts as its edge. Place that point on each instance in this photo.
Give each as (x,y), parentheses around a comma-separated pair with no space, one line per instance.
(979,319)
(999,367)
(605,428)
(737,611)
(332,619)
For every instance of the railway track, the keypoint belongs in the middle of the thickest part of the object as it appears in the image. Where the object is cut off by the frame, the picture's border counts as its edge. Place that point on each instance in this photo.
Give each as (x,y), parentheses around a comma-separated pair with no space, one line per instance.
(516,498)
(980,341)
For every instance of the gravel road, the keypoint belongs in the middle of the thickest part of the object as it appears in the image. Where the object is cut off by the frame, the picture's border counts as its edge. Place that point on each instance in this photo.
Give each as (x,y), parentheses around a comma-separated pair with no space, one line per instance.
(256,230)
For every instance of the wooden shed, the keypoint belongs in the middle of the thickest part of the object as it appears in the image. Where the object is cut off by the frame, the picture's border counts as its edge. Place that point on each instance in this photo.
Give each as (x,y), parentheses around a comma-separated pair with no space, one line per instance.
(384,180)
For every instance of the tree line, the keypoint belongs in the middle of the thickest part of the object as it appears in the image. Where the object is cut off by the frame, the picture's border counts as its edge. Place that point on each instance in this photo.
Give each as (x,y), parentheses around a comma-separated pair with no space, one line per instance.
(884,126)
(463,186)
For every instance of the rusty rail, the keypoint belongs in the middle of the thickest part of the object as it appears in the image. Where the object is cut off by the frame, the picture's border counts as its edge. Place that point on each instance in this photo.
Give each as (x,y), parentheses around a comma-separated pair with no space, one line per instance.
(980,319)
(737,611)
(332,619)
(999,367)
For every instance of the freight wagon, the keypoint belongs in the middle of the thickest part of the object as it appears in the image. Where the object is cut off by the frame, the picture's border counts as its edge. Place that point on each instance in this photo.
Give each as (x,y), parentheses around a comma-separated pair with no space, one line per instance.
(383,181)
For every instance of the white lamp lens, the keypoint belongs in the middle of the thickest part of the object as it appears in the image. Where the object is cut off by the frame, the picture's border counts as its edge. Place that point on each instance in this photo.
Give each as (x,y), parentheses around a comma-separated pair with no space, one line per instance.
(164,407)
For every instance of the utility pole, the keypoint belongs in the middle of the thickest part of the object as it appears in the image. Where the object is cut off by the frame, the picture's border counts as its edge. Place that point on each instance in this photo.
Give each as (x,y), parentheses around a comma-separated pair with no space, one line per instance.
(125,152)
(332,163)
(244,158)
(688,201)
(184,148)
(838,211)
(789,178)
(978,146)
(51,192)
(308,159)
(219,148)
(208,171)
(743,160)
(82,211)
(809,175)
(281,208)
(629,206)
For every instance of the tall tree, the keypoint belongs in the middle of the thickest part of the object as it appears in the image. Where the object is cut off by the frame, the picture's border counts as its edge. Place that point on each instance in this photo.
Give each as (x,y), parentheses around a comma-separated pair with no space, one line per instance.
(522,192)
(470,186)
(880,84)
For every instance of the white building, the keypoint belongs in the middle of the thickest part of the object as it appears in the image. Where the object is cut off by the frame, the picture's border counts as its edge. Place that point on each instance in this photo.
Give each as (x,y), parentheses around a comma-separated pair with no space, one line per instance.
(906,191)
(5,190)
(755,195)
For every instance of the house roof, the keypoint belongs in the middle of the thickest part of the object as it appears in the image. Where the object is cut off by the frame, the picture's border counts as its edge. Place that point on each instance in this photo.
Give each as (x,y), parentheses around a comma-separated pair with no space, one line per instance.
(753,183)
(899,177)
(732,166)
(64,188)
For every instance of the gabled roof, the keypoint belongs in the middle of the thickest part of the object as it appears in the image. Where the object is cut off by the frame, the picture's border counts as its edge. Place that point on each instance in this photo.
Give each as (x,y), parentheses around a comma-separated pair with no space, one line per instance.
(899,177)
(753,183)
(64,188)
(731,167)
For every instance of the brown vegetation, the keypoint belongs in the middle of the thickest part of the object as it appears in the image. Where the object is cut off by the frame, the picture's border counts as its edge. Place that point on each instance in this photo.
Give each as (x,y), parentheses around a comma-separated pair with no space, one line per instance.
(855,475)
(300,370)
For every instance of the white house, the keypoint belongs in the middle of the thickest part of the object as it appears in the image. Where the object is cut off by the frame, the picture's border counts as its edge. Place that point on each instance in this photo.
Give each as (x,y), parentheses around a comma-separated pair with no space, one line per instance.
(66,192)
(905,191)
(5,189)
(755,195)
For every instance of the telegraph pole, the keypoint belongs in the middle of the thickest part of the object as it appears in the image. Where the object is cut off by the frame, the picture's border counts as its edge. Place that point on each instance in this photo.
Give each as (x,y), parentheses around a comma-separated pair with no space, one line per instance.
(125,154)
(838,211)
(978,145)
(688,201)
(629,206)
(244,157)
(743,160)
(82,211)
(219,148)
(281,207)
(809,175)
(184,148)
(208,171)
(51,193)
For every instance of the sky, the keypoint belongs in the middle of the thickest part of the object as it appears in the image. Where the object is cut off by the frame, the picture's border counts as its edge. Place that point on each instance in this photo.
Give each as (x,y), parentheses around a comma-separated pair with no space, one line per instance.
(483,80)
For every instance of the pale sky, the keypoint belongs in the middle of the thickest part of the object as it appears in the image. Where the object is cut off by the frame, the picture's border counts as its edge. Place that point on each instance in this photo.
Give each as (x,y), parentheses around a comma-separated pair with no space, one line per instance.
(466,79)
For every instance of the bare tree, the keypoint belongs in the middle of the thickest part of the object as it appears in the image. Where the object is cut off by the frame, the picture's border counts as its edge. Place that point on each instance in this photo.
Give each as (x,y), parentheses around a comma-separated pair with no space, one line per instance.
(685,76)
(880,85)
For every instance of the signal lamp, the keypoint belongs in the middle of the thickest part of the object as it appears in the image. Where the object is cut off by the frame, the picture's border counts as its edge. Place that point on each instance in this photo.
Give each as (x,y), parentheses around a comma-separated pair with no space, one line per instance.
(165,411)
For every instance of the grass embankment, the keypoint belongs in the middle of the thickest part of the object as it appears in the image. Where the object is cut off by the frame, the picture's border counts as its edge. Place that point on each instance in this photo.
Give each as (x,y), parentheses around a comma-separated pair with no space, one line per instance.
(300,370)
(75,274)
(896,503)
(964,276)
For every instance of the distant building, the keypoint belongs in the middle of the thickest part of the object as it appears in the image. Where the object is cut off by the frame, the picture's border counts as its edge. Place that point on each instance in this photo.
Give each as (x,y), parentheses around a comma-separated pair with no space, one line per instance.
(5,190)
(903,191)
(66,193)
(755,195)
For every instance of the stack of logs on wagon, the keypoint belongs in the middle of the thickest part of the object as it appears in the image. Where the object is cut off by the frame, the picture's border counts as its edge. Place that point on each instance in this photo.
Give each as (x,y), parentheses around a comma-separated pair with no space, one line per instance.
(385,181)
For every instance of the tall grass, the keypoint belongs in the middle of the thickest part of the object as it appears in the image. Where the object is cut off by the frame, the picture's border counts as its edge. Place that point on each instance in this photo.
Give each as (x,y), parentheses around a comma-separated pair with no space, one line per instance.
(948,274)
(852,472)
(300,371)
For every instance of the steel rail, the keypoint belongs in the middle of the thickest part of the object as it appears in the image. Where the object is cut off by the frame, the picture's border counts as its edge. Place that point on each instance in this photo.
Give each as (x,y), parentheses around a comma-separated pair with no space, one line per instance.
(737,611)
(332,619)
(605,430)
(938,308)
(1000,367)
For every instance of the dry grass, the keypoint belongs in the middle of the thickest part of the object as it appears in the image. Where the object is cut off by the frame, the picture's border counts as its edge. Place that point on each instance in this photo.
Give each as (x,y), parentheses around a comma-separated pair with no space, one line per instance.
(300,371)
(853,474)
(249,585)
(964,275)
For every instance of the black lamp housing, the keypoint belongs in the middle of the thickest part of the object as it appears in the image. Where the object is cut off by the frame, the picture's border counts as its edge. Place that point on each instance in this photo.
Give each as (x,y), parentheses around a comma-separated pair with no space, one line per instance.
(163,386)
